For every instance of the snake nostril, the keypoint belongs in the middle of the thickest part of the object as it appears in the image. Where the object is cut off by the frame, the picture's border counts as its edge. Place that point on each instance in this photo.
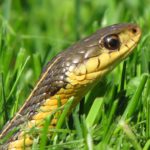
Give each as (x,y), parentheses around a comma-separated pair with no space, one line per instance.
(134,30)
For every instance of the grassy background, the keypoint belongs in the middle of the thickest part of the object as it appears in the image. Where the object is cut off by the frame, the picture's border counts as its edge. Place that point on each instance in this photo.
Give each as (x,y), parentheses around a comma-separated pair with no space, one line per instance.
(114,115)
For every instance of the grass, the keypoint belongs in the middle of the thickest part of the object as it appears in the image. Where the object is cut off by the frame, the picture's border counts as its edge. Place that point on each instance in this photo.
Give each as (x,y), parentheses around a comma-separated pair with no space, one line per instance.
(116,113)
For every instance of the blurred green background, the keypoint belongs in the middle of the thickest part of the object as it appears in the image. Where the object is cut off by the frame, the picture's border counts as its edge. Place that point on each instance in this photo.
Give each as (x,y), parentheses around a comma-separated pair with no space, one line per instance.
(34,31)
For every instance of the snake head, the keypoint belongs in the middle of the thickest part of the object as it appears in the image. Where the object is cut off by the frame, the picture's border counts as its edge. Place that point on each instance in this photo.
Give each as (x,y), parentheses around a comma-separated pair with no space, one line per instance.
(91,58)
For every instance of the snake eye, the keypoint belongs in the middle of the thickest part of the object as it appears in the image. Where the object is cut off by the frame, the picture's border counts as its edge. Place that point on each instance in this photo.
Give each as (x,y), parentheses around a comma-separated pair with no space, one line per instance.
(111,42)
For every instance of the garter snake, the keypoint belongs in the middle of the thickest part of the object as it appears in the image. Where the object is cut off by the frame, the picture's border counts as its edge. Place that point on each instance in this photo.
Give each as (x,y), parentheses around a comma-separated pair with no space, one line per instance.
(71,73)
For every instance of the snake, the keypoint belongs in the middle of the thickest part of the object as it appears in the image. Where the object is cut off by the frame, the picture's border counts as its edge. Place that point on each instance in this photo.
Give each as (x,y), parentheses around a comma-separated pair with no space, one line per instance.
(72,73)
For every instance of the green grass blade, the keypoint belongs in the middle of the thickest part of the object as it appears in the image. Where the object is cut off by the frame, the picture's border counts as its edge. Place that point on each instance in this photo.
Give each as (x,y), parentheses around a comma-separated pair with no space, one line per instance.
(77,125)
(66,110)
(95,111)
(111,116)
(147,145)
(18,77)
(44,133)
(62,117)
(131,136)
(4,99)
(134,101)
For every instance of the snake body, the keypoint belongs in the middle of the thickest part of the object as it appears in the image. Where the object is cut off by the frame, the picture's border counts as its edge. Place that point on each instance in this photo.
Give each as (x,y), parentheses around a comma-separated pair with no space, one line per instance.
(71,73)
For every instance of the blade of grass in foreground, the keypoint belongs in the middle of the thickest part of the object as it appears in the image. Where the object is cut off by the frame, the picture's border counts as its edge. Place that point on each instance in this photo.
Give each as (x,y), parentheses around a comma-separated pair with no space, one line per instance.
(67,107)
(4,99)
(44,133)
(62,118)
(147,106)
(95,111)
(77,124)
(134,101)
(132,138)
(147,145)
(111,116)
(18,77)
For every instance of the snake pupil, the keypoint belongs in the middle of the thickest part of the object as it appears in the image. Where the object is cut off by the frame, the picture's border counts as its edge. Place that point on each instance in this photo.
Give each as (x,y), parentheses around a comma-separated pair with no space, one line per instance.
(111,42)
